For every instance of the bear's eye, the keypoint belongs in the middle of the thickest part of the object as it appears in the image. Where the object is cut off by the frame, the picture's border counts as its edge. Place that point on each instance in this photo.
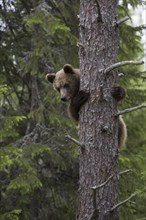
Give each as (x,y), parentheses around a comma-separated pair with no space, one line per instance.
(66,86)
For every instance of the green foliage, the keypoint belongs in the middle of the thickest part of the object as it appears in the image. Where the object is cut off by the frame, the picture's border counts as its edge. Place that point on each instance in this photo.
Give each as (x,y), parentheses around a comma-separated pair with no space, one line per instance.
(29,172)
(13,215)
(53,29)
(8,155)
(133,156)
(24,183)
(9,123)
(3,90)
(39,173)
(49,24)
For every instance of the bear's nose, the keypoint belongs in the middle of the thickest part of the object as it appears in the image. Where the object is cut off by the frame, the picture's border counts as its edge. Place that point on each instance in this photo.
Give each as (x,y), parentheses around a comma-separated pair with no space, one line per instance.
(63,99)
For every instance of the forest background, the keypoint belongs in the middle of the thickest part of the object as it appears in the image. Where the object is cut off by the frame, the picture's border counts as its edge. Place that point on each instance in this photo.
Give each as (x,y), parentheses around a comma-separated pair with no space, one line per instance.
(38,166)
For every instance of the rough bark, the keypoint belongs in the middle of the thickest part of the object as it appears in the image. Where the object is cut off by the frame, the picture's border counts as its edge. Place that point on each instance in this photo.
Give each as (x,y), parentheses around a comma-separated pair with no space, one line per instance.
(98,127)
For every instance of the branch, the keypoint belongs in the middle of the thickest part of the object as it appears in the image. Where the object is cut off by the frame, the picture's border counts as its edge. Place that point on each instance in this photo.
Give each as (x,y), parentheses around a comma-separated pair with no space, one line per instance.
(55,5)
(125,171)
(134,203)
(8,22)
(122,20)
(99,12)
(95,212)
(120,74)
(74,140)
(116,65)
(103,184)
(123,202)
(130,110)
(140,28)
(80,45)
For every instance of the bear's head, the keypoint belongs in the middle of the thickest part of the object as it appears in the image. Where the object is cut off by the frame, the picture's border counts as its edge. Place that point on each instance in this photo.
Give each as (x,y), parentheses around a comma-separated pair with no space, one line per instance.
(66,81)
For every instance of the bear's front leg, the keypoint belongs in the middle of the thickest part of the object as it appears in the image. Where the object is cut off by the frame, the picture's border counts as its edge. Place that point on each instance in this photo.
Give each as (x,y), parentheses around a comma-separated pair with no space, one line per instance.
(118,93)
(76,103)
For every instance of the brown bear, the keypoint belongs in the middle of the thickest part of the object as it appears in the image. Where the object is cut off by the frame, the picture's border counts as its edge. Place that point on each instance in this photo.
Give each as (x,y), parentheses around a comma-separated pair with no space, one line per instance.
(67,83)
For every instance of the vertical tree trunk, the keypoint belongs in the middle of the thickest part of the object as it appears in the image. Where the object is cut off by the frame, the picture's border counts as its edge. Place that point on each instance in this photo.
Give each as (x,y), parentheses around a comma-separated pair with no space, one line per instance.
(98,126)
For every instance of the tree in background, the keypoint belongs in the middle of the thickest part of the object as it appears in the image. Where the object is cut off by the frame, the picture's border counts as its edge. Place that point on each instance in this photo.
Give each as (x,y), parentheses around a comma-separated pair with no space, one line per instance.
(39,169)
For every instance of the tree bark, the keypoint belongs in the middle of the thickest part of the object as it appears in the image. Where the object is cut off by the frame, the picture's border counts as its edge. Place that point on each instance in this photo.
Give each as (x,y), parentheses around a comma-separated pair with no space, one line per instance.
(98,127)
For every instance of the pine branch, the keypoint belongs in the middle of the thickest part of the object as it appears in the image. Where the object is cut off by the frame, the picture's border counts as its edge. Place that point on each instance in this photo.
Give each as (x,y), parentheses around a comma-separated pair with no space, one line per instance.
(140,28)
(99,11)
(125,171)
(68,137)
(80,45)
(102,184)
(120,74)
(122,20)
(95,212)
(116,65)
(123,202)
(130,109)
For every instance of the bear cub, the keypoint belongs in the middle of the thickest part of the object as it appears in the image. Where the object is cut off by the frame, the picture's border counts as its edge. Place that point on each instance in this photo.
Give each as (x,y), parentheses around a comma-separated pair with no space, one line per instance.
(67,83)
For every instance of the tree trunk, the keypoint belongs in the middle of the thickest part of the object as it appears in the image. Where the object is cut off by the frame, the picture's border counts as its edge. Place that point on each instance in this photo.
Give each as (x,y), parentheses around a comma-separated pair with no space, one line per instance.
(98,127)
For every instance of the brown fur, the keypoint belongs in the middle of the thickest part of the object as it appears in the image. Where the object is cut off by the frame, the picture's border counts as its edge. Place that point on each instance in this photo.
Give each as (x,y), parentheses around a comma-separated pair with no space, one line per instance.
(122,132)
(67,82)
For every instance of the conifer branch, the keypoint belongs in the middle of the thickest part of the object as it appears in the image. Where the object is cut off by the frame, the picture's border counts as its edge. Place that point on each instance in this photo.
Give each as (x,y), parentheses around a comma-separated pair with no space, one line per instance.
(80,45)
(120,74)
(123,202)
(130,109)
(68,137)
(102,184)
(73,140)
(125,171)
(99,11)
(95,212)
(140,28)
(122,20)
(116,65)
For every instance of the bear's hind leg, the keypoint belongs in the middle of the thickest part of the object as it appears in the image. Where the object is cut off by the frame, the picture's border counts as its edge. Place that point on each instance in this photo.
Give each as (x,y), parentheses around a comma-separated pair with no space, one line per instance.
(122,132)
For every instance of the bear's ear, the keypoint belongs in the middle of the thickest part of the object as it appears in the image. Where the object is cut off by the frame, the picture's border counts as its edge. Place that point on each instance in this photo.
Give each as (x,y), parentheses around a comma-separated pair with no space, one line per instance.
(50,77)
(68,69)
